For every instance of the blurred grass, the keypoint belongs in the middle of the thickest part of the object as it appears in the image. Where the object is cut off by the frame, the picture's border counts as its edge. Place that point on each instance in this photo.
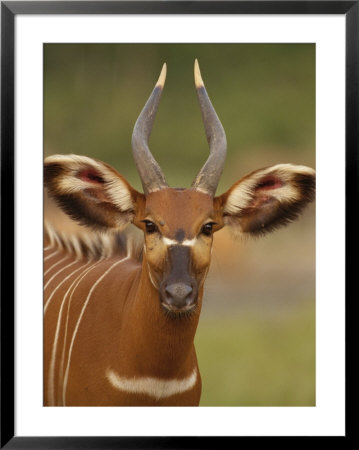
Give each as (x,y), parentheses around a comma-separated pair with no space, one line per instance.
(258,360)
(256,347)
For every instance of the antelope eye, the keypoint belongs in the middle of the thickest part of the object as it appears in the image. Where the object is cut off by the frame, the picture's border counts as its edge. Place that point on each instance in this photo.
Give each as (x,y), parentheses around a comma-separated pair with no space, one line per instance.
(150,227)
(207,229)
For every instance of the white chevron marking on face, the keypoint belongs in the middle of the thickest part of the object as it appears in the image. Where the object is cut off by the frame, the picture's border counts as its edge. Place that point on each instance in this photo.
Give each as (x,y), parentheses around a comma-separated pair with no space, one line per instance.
(154,387)
(186,242)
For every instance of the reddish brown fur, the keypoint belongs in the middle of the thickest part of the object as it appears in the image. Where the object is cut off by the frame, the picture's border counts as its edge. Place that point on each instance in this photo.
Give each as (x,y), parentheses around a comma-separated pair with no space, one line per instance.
(125,316)
(124,326)
(110,338)
(193,208)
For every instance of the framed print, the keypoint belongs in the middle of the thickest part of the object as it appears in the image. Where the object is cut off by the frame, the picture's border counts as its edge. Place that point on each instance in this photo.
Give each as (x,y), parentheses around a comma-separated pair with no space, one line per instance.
(166,136)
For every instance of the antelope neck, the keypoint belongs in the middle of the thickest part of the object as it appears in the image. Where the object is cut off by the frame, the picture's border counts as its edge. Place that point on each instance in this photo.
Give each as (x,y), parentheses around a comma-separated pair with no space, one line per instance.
(164,344)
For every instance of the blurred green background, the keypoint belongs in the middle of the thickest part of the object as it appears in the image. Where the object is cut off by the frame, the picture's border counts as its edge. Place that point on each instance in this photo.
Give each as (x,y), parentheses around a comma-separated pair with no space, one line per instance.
(256,338)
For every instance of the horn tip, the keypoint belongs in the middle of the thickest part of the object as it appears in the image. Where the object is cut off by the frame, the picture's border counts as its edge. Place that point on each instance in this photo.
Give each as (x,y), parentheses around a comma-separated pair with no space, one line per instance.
(197,75)
(162,78)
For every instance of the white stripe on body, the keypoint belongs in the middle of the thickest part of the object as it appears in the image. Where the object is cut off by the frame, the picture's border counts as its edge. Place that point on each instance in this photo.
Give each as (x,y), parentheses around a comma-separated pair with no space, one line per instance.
(73,286)
(51,377)
(52,254)
(79,321)
(154,387)
(59,271)
(55,264)
(58,286)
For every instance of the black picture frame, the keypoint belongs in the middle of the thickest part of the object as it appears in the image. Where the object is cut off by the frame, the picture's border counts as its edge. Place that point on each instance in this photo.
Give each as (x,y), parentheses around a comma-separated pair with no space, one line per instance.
(9,10)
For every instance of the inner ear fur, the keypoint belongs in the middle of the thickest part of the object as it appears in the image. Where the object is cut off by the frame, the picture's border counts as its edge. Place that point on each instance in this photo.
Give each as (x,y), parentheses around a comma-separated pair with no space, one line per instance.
(267,198)
(90,191)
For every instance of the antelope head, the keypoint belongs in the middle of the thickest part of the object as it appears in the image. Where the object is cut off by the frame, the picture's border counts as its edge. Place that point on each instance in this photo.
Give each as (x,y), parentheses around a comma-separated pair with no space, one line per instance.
(178,224)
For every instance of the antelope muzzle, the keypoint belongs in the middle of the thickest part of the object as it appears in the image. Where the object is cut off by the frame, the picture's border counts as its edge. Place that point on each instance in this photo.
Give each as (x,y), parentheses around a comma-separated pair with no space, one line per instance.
(179,289)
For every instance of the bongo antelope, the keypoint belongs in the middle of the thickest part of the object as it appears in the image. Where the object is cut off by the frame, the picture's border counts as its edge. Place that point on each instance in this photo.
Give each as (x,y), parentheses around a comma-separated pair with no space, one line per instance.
(118,327)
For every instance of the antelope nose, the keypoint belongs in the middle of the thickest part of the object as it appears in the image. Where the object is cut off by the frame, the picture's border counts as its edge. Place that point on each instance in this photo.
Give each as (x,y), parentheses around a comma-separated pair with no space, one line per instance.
(178,291)
(179,297)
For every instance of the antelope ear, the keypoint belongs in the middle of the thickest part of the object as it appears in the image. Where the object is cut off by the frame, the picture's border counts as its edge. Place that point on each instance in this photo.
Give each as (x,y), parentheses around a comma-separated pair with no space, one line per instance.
(90,191)
(268,198)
